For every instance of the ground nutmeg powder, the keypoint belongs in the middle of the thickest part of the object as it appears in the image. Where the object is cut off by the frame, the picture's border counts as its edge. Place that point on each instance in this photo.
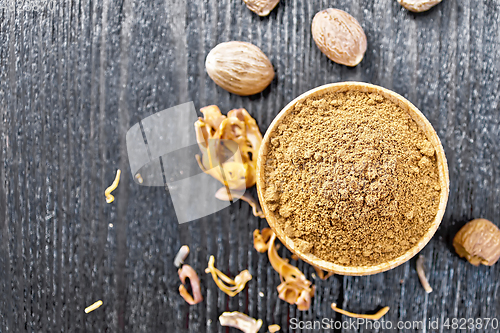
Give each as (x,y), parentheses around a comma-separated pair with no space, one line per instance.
(351,178)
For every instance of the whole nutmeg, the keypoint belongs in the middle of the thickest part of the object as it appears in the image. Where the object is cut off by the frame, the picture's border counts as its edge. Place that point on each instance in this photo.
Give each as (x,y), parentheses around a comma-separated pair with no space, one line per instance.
(339,36)
(479,242)
(418,6)
(239,67)
(261,7)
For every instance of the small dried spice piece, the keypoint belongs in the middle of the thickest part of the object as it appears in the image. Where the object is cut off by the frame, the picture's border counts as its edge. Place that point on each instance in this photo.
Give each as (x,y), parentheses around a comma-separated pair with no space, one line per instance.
(139,178)
(93,306)
(294,287)
(240,321)
(239,67)
(188,272)
(261,240)
(219,139)
(181,256)
(421,274)
(225,195)
(109,197)
(479,242)
(339,36)
(274,328)
(214,132)
(418,5)
(235,286)
(375,316)
(321,273)
(261,7)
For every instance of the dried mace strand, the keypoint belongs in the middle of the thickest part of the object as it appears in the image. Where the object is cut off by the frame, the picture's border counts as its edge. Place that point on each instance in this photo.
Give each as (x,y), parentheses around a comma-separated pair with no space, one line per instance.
(216,134)
(479,242)
(375,316)
(225,194)
(109,197)
(93,306)
(294,287)
(261,239)
(239,67)
(418,6)
(226,284)
(240,321)
(261,7)
(323,275)
(421,274)
(188,272)
(339,36)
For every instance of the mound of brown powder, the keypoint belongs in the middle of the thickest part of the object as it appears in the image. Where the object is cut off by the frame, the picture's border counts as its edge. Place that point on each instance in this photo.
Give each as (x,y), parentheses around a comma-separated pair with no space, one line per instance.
(352,178)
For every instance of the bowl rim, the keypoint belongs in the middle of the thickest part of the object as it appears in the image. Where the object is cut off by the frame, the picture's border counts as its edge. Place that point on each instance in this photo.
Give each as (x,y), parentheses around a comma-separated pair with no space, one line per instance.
(431,135)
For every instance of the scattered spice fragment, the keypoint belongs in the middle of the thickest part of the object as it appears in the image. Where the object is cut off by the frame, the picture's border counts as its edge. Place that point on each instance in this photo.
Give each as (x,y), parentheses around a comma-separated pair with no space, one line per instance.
(238,127)
(380,313)
(109,197)
(240,321)
(181,256)
(261,7)
(261,240)
(295,257)
(421,274)
(214,134)
(224,195)
(93,306)
(294,287)
(188,272)
(418,6)
(139,178)
(235,286)
(321,273)
(285,270)
(479,242)
(274,328)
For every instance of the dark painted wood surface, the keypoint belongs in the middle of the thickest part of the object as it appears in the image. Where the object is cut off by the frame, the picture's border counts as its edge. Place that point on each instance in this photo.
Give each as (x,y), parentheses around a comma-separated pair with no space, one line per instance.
(75,75)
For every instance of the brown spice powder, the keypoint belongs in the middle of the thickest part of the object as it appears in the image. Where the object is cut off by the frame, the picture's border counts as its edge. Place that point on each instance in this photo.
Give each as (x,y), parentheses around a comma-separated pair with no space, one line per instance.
(351,178)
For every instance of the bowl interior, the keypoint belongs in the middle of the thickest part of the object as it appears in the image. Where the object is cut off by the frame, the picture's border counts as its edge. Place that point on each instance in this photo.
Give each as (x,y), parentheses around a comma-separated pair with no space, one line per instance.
(421,121)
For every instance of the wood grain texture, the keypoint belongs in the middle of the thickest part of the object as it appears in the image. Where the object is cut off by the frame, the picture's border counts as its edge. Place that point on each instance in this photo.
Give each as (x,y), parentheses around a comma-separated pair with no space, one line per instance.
(76,75)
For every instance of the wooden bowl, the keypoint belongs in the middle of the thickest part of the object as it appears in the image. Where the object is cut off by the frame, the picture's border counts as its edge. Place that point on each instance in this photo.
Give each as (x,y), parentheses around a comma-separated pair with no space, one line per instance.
(421,121)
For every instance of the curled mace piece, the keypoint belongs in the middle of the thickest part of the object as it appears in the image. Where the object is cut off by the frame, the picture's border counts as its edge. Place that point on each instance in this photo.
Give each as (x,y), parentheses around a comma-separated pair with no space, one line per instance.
(294,287)
(226,284)
(188,272)
(376,316)
(261,239)
(229,147)
(213,132)
(240,321)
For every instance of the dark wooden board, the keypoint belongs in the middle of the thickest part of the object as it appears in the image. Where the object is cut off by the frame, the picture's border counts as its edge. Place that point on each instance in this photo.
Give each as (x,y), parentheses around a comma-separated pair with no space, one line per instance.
(76,75)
